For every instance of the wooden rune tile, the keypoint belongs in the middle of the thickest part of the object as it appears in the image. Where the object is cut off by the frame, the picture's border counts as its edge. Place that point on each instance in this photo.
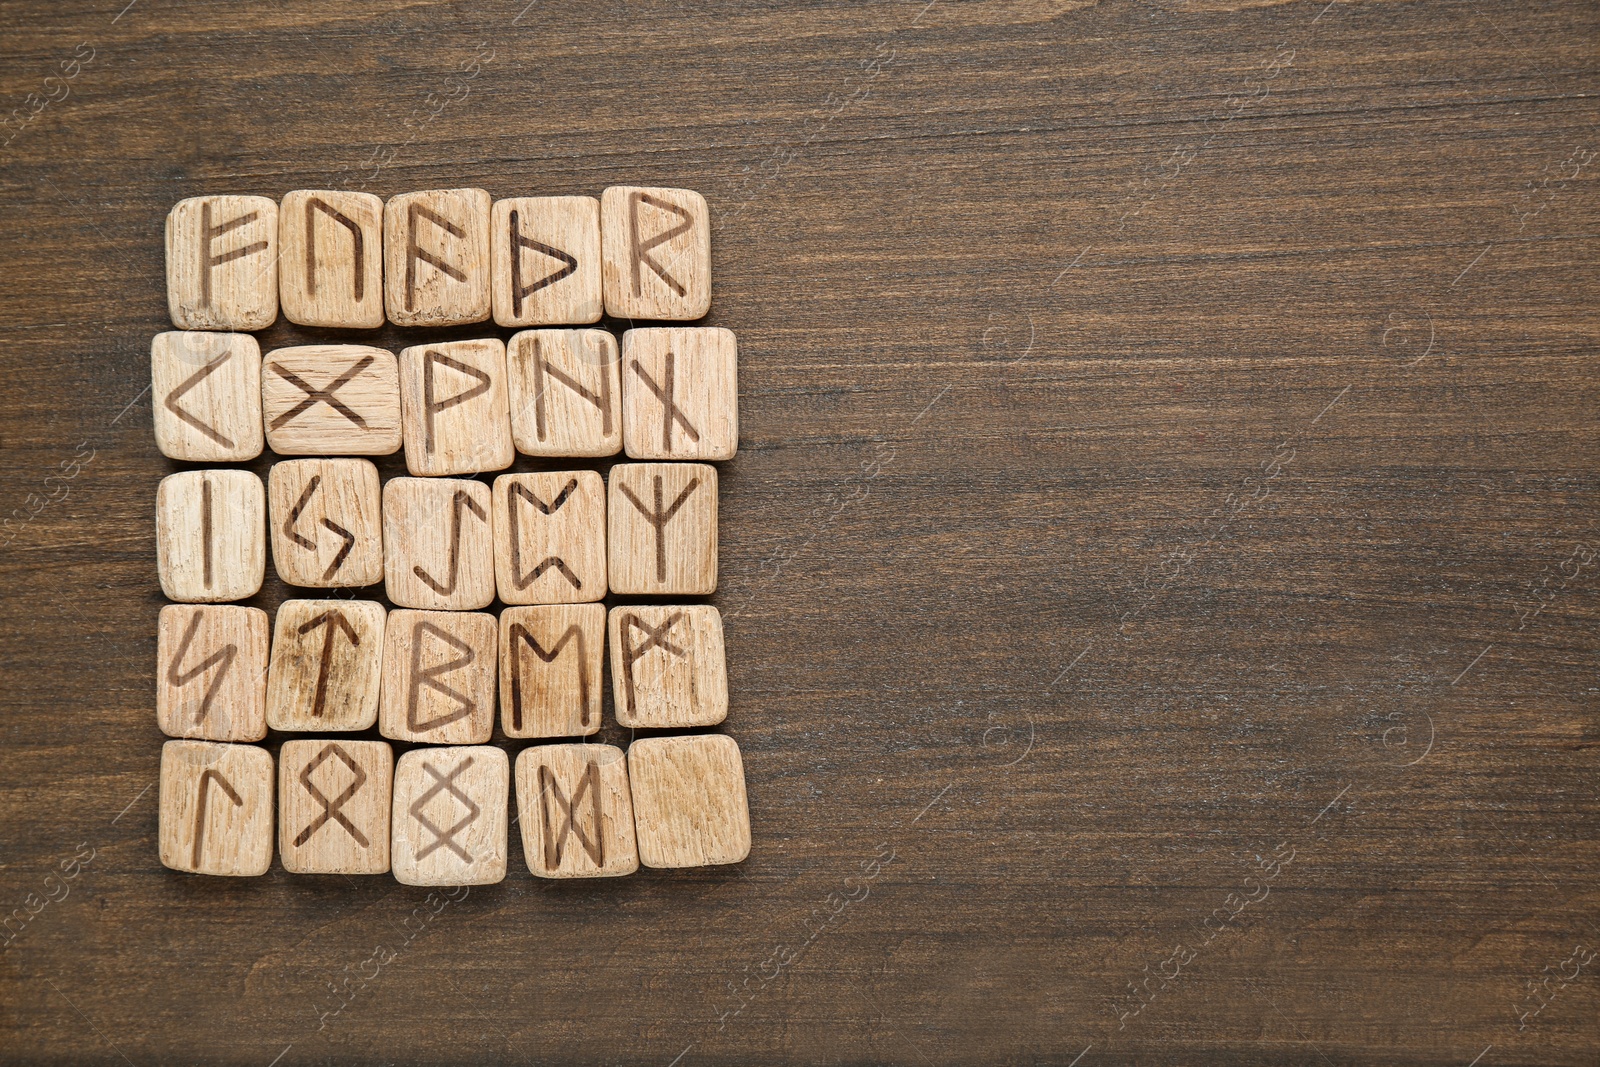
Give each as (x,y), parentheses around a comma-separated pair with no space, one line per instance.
(438,677)
(661,529)
(657,249)
(450,816)
(327,665)
(211,537)
(456,413)
(668,669)
(689,803)
(330,272)
(333,806)
(222,263)
(211,664)
(438,544)
(576,811)
(436,257)
(216,808)
(550,667)
(550,537)
(680,393)
(546,260)
(326,522)
(566,393)
(206,391)
(331,400)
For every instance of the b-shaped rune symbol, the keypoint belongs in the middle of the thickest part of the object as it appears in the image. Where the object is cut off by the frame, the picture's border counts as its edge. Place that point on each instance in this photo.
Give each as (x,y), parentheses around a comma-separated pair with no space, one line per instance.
(446,837)
(642,249)
(325,395)
(305,542)
(658,517)
(554,842)
(522,579)
(462,501)
(330,808)
(178,677)
(656,637)
(670,411)
(206,778)
(430,677)
(188,416)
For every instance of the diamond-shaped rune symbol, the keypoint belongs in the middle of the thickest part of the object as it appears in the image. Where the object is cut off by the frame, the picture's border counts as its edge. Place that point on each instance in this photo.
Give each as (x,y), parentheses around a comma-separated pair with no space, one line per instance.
(445,783)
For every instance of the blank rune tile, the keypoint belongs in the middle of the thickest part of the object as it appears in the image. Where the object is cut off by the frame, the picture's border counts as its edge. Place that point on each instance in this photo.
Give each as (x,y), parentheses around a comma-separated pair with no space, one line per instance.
(436,257)
(211,662)
(222,263)
(689,803)
(438,543)
(438,677)
(216,808)
(333,806)
(211,537)
(668,667)
(206,392)
(576,811)
(661,521)
(546,257)
(326,522)
(330,272)
(456,415)
(327,665)
(657,249)
(550,537)
(331,400)
(550,667)
(450,816)
(680,393)
(566,393)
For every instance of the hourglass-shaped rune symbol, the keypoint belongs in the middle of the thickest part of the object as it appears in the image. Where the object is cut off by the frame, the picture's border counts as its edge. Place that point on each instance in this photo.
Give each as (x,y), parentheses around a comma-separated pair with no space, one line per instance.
(445,783)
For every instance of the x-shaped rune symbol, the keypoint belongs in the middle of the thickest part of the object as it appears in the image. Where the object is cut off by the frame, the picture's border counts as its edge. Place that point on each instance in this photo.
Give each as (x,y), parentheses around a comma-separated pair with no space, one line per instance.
(330,808)
(325,396)
(447,838)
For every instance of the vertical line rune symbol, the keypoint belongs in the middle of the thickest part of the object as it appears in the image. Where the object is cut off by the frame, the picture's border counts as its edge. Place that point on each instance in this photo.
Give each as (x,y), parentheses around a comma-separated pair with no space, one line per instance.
(205,529)
(179,678)
(555,841)
(659,518)
(573,634)
(206,778)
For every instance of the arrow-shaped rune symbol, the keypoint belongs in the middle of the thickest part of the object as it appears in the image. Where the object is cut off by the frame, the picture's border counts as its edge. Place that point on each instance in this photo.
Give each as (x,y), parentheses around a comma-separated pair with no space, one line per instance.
(333,620)
(307,543)
(461,501)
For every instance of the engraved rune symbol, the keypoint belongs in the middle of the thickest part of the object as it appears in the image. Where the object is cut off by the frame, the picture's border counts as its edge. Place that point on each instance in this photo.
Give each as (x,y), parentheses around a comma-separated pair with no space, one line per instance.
(307,543)
(554,842)
(642,249)
(415,251)
(209,261)
(205,530)
(334,621)
(430,677)
(670,411)
(520,292)
(430,406)
(330,808)
(655,636)
(178,677)
(314,205)
(659,517)
(601,399)
(573,636)
(326,396)
(206,778)
(446,838)
(461,501)
(522,579)
(191,382)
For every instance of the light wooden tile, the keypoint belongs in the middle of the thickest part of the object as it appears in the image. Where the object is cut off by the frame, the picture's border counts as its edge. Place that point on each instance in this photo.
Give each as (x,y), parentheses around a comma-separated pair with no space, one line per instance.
(550,537)
(657,247)
(456,413)
(576,811)
(330,272)
(668,668)
(222,263)
(333,806)
(438,677)
(661,521)
(216,808)
(566,393)
(436,257)
(211,672)
(327,665)
(680,392)
(550,667)
(546,260)
(211,535)
(206,391)
(438,543)
(331,400)
(689,801)
(450,816)
(326,522)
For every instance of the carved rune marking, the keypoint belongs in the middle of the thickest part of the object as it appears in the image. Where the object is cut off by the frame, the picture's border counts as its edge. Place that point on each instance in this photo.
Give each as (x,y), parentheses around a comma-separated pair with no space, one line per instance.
(314,397)
(447,838)
(205,529)
(520,292)
(518,578)
(462,500)
(554,842)
(206,778)
(305,542)
(415,251)
(330,808)
(641,249)
(430,677)
(430,406)
(334,621)
(601,399)
(189,383)
(631,653)
(208,237)
(670,411)
(314,205)
(659,518)
(176,676)
(574,635)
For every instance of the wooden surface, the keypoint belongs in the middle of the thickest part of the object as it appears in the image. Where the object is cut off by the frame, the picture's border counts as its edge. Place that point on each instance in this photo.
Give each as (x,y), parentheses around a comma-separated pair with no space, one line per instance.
(1167,477)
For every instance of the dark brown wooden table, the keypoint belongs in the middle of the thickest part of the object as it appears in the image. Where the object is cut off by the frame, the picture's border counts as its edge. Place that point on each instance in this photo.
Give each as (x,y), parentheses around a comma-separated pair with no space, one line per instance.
(1161,566)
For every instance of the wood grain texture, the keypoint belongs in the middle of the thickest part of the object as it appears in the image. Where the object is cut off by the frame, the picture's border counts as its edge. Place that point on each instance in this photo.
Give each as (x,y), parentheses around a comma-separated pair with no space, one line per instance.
(960,470)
